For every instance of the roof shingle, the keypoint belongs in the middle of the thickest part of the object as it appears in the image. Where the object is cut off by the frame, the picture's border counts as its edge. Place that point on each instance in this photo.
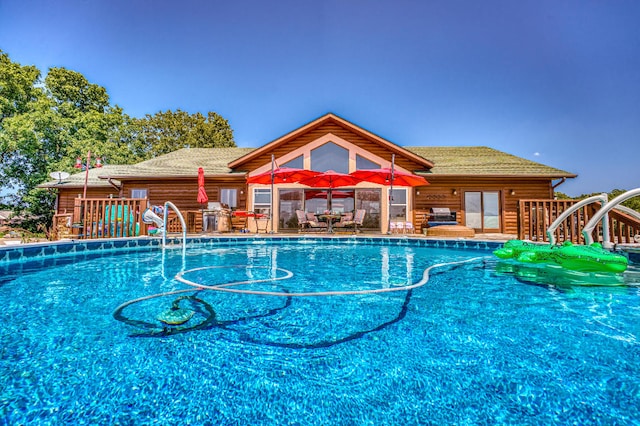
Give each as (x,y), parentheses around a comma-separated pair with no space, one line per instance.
(459,160)
(482,161)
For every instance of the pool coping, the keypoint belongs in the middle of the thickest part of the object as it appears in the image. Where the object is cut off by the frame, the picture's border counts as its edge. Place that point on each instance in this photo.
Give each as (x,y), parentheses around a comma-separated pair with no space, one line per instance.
(44,250)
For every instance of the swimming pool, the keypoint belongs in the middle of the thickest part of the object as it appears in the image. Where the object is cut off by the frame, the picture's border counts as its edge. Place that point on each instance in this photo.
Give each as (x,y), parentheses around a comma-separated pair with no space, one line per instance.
(471,346)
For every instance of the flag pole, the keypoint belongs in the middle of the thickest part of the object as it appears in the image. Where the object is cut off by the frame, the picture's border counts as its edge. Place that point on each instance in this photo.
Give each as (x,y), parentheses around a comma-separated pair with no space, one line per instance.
(86,174)
(272,179)
(393,160)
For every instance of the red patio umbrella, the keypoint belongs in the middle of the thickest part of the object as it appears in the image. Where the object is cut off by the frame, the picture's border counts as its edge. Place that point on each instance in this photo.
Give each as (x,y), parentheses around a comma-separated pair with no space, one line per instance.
(282,175)
(279,175)
(390,176)
(202,194)
(330,179)
(383,177)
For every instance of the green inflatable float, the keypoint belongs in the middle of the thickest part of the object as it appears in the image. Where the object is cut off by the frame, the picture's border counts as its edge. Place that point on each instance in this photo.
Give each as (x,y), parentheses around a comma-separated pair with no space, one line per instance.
(592,258)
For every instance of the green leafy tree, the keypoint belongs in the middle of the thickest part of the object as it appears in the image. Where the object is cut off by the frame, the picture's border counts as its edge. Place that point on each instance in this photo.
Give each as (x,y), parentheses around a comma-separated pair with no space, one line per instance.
(632,203)
(17,87)
(168,131)
(45,124)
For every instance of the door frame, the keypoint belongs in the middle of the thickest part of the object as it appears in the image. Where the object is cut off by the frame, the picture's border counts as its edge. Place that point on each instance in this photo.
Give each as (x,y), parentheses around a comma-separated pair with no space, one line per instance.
(500,212)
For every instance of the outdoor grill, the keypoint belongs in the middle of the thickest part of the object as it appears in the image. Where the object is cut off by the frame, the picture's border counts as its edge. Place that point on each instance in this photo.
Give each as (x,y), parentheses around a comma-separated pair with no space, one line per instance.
(211,216)
(442,216)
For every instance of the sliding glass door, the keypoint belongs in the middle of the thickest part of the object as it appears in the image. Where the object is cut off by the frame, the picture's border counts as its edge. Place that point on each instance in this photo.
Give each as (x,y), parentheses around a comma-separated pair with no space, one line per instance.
(482,210)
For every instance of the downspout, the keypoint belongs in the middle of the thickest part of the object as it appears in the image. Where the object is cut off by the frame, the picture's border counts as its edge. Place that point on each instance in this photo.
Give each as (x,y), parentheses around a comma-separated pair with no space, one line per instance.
(119,188)
(562,180)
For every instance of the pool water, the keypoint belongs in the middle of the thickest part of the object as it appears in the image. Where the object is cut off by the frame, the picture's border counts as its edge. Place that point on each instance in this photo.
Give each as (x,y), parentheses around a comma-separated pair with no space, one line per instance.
(472,346)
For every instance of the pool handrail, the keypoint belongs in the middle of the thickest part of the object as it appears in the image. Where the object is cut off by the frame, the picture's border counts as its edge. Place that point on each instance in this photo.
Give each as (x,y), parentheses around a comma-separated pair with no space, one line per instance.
(602,198)
(164,221)
(587,231)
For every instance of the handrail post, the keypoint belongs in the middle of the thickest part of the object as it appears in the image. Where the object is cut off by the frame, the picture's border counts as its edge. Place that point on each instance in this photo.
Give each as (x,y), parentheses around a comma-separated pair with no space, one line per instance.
(165,222)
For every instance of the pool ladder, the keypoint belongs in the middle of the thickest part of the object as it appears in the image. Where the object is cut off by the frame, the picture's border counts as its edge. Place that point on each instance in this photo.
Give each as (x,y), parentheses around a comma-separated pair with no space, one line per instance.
(164,222)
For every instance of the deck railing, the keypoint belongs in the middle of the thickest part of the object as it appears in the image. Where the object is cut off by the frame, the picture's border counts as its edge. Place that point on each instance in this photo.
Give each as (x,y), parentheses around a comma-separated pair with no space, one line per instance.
(102,218)
(535,216)
(623,228)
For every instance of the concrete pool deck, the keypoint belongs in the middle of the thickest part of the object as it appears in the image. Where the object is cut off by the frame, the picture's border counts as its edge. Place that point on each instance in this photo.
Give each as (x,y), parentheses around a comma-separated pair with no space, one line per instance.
(11,241)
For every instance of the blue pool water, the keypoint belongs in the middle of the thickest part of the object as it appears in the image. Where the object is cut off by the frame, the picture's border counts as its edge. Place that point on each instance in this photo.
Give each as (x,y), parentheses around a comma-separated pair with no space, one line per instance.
(472,346)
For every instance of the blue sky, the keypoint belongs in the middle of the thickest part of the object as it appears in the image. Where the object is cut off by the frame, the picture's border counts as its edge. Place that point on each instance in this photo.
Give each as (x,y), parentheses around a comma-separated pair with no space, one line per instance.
(556,82)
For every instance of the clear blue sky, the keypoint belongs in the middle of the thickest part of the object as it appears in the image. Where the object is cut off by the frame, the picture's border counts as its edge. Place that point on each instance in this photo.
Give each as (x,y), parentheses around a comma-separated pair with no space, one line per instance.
(553,81)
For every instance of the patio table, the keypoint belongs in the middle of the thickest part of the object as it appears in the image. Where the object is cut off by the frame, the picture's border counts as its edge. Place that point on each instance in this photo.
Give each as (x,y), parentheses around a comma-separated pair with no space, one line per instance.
(330,219)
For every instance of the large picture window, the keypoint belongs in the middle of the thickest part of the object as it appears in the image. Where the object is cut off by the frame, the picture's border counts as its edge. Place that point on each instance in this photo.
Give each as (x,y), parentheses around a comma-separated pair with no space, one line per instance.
(290,200)
(330,157)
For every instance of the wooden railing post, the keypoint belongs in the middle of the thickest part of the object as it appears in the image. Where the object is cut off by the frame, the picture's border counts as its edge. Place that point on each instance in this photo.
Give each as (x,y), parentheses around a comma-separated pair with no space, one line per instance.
(108,217)
(535,216)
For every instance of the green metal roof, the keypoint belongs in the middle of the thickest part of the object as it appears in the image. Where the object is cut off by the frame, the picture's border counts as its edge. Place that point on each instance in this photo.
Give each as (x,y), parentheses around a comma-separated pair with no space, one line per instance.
(482,161)
(181,163)
(185,162)
(459,160)
(76,180)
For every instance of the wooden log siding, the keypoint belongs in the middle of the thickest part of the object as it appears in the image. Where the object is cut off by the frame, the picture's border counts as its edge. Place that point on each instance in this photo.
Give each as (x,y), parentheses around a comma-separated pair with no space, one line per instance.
(535,216)
(184,193)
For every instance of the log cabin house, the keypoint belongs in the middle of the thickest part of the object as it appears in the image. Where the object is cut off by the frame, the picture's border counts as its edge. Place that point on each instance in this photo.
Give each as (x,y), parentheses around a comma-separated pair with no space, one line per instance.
(480,185)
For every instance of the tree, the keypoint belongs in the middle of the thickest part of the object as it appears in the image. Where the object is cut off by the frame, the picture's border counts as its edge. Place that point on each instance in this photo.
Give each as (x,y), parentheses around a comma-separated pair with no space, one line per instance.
(168,131)
(17,87)
(632,203)
(45,124)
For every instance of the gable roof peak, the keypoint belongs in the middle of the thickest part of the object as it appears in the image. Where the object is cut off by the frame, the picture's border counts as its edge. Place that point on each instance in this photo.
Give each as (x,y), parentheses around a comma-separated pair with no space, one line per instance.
(329,117)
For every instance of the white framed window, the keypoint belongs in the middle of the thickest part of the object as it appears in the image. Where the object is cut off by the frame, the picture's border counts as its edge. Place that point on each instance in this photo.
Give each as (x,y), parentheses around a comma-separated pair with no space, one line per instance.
(229,197)
(139,193)
(399,204)
(262,200)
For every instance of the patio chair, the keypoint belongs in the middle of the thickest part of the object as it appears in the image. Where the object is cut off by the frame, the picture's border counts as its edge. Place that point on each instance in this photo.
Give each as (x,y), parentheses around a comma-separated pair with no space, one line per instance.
(309,221)
(355,223)
(346,221)
(358,219)
(303,223)
(408,228)
(396,227)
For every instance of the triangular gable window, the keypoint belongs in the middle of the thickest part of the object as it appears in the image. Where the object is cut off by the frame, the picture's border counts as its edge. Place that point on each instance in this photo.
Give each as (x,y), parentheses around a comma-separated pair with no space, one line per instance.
(364,163)
(296,163)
